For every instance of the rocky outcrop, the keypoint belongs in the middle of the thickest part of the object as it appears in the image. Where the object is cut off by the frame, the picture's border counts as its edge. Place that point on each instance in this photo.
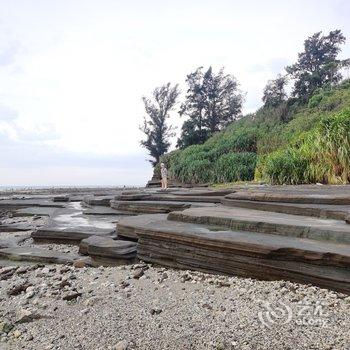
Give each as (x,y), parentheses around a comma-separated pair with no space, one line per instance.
(253,254)
(37,254)
(147,207)
(288,197)
(106,251)
(97,200)
(268,222)
(337,212)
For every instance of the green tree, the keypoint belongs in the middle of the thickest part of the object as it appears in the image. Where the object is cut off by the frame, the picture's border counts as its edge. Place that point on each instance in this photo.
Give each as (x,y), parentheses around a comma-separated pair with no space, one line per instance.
(317,65)
(213,100)
(274,92)
(155,126)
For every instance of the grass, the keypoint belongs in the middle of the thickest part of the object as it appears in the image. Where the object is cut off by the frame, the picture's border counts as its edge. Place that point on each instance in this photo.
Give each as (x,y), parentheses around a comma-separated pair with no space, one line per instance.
(291,145)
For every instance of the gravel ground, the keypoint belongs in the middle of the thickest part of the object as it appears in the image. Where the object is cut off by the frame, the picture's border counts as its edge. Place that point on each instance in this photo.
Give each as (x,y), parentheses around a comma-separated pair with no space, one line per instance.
(146,307)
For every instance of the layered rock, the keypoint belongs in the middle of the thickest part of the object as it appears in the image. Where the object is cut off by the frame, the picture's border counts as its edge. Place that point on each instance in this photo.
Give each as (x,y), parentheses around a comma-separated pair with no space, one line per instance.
(38,254)
(148,207)
(338,212)
(267,222)
(253,254)
(97,200)
(106,251)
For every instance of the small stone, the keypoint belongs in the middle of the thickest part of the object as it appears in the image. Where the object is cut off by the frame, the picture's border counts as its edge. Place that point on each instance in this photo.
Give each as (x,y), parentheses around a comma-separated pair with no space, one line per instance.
(5,327)
(24,315)
(64,283)
(156,311)
(30,294)
(17,333)
(22,270)
(18,289)
(163,277)
(124,284)
(138,274)
(122,345)
(207,306)
(64,269)
(71,296)
(78,264)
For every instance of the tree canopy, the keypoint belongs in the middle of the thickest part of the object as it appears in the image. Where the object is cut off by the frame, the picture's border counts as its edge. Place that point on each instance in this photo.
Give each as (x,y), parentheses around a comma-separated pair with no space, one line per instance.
(212,101)
(317,65)
(274,92)
(155,126)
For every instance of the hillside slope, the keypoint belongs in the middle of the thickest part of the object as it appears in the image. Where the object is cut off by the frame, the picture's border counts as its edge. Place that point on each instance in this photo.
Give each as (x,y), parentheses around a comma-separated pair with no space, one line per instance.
(290,144)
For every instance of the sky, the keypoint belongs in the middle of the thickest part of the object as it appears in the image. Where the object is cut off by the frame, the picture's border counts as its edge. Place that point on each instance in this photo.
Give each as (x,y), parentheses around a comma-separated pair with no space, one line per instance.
(72,74)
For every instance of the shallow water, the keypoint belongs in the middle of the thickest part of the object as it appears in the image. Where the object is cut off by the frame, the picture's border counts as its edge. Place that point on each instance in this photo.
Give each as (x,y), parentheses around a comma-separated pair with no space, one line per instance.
(75,219)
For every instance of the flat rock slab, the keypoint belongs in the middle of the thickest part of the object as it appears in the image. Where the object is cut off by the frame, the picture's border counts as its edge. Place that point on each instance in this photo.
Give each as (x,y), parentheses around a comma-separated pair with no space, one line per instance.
(37,254)
(98,200)
(338,212)
(114,251)
(70,226)
(34,211)
(68,235)
(132,196)
(267,222)
(289,197)
(258,255)
(204,193)
(61,198)
(206,200)
(149,206)
(13,240)
(17,203)
(104,211)
(17,227)
(127,227)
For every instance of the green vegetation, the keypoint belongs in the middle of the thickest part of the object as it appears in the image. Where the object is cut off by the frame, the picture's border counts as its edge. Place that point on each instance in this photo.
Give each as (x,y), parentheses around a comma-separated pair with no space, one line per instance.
(296,139)
(313,146)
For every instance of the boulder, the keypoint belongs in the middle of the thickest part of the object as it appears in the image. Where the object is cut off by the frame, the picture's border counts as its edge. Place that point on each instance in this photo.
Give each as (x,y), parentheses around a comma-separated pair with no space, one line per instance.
(106,251)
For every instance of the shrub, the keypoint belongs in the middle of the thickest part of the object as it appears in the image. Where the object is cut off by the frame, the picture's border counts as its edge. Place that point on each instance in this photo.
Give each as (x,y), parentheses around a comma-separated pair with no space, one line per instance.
(315,100)
(286,166)
(313,146)
(235,167)
(334,141)
(320,155)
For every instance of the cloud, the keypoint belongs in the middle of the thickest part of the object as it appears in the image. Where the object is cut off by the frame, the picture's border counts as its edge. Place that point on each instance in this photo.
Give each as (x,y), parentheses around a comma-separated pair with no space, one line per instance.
(274,66)
(7,113)
(8,53)
(72,73)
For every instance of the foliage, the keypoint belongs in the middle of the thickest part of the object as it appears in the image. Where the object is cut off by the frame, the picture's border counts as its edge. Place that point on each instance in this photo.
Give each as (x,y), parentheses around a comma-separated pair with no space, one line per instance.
(274,92)
(317,65)
(320,155)
(235,167)
(212,101)
(285,166)
(155,125)
(300,139)
(311,147)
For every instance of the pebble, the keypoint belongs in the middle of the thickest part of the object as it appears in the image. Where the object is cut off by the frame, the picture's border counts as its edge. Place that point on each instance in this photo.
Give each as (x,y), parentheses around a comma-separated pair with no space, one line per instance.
(122,345)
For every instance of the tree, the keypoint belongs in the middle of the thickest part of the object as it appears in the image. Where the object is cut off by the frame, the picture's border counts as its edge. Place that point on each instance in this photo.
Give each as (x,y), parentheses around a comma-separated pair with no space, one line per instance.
(155,126)
(274,92)
(317,65)
(191,134)
(212,102)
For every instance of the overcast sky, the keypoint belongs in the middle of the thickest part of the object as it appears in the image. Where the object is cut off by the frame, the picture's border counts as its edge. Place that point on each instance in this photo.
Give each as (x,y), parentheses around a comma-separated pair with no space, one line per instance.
(72,73)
